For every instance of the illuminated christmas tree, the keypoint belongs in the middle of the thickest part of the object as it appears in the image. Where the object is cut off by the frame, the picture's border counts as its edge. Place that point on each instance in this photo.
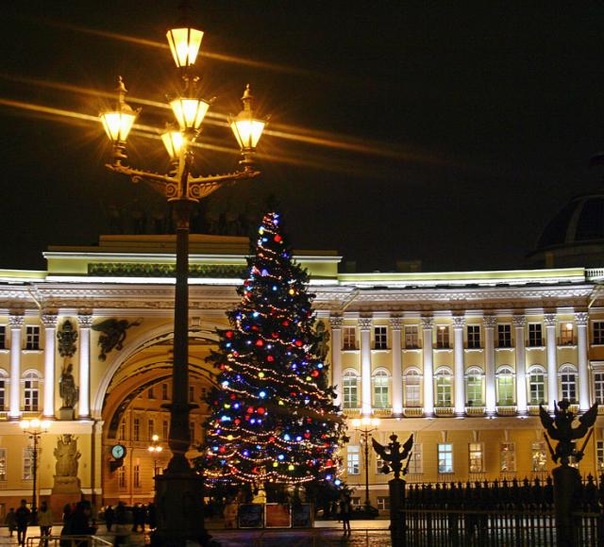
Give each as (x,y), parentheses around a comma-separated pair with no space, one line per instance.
(272,416)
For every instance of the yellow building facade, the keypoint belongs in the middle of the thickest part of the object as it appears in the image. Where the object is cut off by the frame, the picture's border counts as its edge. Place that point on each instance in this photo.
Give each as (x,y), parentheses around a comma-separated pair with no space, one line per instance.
(461,360)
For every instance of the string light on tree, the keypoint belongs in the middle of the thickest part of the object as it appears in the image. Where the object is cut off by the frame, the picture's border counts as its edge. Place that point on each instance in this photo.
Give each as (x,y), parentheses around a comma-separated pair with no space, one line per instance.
(272,418)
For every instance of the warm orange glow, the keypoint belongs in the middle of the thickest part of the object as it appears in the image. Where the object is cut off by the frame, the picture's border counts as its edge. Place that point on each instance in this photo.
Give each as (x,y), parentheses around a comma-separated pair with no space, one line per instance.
(118,124)
(184,45)
(173,141)
(189,113)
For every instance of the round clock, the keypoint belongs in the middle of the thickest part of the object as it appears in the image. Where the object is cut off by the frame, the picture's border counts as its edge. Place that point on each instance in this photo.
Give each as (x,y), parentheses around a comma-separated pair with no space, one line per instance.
(118,451)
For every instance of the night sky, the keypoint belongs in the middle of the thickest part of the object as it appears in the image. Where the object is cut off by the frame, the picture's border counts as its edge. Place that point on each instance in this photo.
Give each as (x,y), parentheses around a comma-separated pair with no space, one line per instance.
(448,132)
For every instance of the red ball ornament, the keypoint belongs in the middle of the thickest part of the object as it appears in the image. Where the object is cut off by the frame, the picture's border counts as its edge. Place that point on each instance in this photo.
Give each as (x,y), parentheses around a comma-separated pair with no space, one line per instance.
(285,323)
(229,334)
(250,409)
(278,238)
(298,343)
(260,410)
(259,343)
(314,373)
(270,358)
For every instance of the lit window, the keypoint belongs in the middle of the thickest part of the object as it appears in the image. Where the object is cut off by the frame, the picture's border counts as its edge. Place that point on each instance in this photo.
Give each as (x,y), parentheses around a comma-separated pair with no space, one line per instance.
(505,386)
(600,456)
(31,392)
(2,464)
(599,387)
(136,472)
(474,382)
(539,456)
(415,461)
(536,386)
(443,384)
(476,458)
(349,338)
(383,503)
(350,389)
(445,458)
(380,389)
(442,337)
(353,460)
(566,334)
(411,337)
(413,389)
(28,463)
(568,383)
(508,457)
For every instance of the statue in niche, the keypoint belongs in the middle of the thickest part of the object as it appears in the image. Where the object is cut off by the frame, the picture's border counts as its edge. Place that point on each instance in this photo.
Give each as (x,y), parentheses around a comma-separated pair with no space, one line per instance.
(68,390)
(67,456)
(113,334)
(67,337)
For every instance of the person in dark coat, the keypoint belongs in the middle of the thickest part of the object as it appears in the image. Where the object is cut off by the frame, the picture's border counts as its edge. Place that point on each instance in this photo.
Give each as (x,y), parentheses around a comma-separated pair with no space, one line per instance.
(345,510)
(109,517)
(80,522)
(22,516)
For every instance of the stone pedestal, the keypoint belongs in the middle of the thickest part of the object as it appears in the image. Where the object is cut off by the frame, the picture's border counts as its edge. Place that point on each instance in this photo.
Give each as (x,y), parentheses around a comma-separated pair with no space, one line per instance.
(66,414)
(66,490)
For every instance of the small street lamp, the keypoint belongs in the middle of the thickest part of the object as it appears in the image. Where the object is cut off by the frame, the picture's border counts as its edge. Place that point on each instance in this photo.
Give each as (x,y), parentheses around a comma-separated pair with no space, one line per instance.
(179,524)
(34,428)
(366,426)
(155,450)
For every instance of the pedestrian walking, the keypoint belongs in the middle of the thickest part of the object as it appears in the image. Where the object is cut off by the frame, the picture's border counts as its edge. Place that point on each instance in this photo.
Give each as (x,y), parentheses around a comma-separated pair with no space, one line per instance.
(23,516)
(11,521)
(45,522)
(345,510)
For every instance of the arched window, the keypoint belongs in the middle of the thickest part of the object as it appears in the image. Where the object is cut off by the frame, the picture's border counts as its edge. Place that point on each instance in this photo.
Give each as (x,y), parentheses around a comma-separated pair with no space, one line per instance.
(568,382)
(475,386)
(413,384)
(443,382)
(537,382)
(350,391)
(31,391)
(505,386)
(381,382)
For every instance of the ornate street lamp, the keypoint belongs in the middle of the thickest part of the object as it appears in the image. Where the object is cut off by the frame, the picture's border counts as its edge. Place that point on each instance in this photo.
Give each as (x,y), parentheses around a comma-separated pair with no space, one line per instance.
(35,428)
(155,449)
(366,426)
(179,494)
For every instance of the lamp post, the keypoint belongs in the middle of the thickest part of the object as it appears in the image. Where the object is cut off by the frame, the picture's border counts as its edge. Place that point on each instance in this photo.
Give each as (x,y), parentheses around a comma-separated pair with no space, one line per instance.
(34,428)
(366,426)
(179,493)
(155,449)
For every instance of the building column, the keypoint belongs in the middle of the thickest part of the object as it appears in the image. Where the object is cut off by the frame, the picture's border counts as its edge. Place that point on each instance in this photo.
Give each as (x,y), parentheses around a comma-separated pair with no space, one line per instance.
(490,321)
(335,323)
(397,367)
(16,324)
(520,349)
(581,319)
(50,333)
(428,357)
(552,366)
(459,373)
(85,321)
(365,328)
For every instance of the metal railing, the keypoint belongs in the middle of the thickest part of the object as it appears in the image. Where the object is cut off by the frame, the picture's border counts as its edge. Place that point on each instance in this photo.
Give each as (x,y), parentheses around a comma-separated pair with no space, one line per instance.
(67,541)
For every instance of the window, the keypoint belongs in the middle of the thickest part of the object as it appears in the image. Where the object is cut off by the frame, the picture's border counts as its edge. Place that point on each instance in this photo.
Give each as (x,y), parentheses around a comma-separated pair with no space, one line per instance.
(2,336)
(352,460)
(192,431)
(443,383)
(151,393)
(28,466)
(504,336)
(597,332)
(411,337)
(383,503)
(599,387)
(445,458)
(600,456)
(136,472)
(121,477)
(536,386)
(380,389)
(506,392)
(535,335)
(539,457)
(136,426)
(380,338)
(150,428)
(32,337)
(123,429)
(416,465)
(476,457)
(31,392)
(2,392)
(413,381)
(164,392)
(473,336)
(568,383)
(442,337)
(474,381)
(350,338)
(165,429)
(507,456)
(191,394)
(566,334)
(350,389)
(2,464)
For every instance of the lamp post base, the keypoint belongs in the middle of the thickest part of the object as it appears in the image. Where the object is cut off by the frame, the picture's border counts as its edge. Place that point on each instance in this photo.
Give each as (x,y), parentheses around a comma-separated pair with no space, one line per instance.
(179,504)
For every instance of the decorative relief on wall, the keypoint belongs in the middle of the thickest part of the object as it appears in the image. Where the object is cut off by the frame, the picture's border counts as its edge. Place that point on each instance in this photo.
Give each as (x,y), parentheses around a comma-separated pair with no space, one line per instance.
(113,334)
(165,270)
(67,337)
